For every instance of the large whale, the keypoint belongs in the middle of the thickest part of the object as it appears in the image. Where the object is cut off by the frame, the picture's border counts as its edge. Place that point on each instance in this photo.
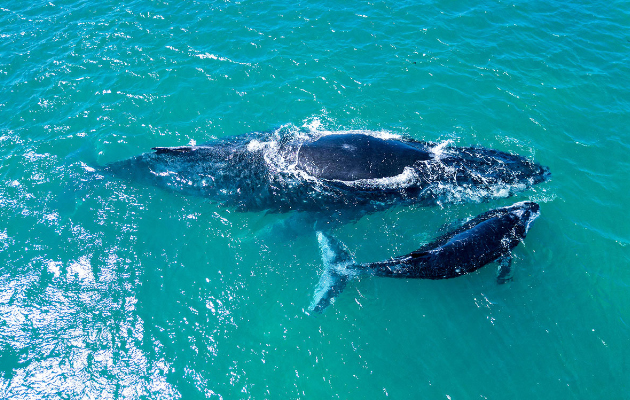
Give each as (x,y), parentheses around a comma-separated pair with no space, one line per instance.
(486,238)
(328,173)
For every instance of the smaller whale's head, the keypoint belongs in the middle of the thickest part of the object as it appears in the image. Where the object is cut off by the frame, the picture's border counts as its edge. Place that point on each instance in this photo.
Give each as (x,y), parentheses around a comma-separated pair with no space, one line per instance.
(526,212)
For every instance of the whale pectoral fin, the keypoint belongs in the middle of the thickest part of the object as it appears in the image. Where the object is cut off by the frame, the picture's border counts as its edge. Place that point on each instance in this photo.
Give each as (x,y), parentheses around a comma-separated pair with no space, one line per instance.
(338,269)
(505,269)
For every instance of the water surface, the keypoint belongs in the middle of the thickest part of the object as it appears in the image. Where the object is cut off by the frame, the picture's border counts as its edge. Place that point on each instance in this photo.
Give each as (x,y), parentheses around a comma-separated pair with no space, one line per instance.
(114,290)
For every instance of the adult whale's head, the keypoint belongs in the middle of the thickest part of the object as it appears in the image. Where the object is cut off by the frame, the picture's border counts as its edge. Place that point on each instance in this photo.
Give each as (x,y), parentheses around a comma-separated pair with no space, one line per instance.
(479,165)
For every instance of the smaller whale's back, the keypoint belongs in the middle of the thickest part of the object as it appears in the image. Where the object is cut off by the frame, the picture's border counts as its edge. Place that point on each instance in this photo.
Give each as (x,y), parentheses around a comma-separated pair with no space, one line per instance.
(480,241)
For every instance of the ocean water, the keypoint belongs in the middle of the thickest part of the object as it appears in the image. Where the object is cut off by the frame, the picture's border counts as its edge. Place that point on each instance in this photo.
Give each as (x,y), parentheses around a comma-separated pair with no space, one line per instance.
(114,290)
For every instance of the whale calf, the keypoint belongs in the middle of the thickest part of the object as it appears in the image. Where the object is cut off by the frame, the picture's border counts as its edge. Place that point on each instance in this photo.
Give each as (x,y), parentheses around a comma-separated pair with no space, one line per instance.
(486,238)
(352,170)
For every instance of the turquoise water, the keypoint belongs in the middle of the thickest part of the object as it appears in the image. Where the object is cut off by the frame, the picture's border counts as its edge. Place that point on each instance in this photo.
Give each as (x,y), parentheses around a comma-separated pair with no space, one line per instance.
(115,290)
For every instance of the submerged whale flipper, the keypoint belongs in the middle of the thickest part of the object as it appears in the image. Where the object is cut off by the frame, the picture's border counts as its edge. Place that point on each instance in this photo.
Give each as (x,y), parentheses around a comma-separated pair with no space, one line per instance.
(338,270)
(505,269)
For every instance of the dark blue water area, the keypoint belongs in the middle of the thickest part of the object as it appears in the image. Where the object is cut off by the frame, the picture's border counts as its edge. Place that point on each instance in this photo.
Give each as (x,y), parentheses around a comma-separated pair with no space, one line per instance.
(111,288)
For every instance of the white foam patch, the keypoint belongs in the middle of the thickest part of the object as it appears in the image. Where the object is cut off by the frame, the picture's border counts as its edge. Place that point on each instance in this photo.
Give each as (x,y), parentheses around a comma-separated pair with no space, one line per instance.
(313,125)
(450,193)
(438,150)
(82,268)
(256,145)
(54,267)
(382,134)
(405,179)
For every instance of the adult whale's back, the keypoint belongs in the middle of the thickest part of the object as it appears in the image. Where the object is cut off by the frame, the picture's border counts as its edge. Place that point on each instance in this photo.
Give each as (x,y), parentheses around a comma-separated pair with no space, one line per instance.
(329,173)
(349,157)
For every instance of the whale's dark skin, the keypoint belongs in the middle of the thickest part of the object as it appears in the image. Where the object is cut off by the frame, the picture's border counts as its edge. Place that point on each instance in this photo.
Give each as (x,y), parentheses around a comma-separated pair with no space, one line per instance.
(276,172)
(486,238)
(351,157)
(480,241)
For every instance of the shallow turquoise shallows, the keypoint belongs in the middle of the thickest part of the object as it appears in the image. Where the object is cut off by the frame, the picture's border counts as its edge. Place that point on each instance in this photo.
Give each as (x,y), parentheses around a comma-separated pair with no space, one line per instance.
(111,289)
